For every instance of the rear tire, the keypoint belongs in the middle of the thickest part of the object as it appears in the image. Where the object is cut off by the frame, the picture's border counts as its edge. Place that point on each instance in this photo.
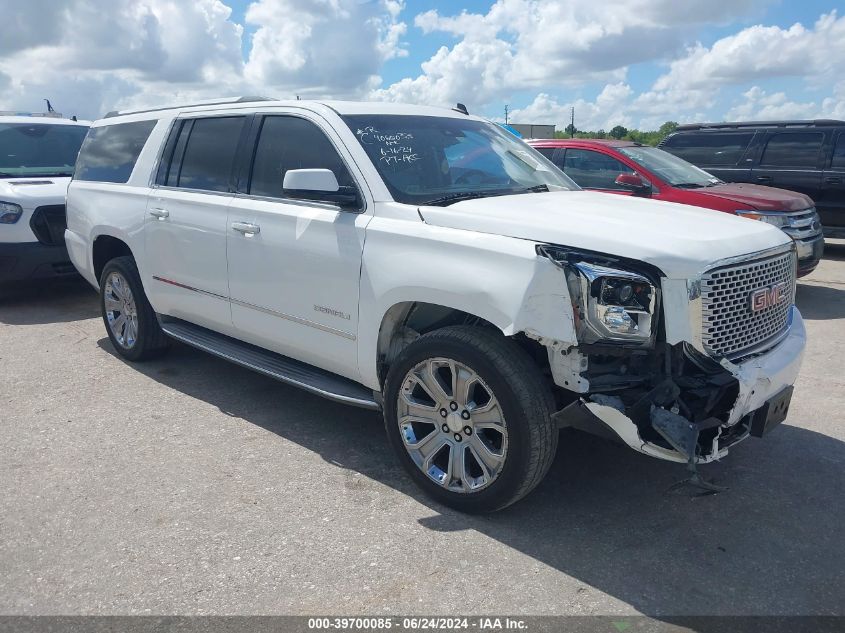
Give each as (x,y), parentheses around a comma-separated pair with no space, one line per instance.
(469,415)
(129,318)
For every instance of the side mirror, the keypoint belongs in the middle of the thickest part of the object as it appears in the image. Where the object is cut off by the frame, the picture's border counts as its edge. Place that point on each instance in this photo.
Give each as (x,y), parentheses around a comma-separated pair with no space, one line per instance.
(319,185)
(634,184)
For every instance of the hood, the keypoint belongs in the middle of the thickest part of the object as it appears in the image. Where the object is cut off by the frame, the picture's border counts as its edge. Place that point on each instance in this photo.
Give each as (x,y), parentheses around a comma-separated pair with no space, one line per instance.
(681,240)
(32,192)
(758,197)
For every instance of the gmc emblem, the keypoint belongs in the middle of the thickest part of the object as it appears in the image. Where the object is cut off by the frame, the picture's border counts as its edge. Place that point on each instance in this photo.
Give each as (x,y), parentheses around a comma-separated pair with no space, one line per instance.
(768,297)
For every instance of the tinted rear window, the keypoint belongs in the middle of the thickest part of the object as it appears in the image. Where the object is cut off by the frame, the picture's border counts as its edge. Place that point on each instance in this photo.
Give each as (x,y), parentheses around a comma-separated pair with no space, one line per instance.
(793,150)
(709,148)
(109,153)
(209,153)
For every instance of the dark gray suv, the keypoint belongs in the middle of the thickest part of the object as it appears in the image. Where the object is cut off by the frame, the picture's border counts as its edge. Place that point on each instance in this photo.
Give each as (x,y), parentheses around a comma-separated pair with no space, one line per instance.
(803,156)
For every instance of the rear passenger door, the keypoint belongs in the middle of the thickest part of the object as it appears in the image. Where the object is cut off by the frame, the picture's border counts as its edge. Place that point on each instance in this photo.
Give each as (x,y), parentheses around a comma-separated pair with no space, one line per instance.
(186,225)
(294,278)
(831,203)
(791,160)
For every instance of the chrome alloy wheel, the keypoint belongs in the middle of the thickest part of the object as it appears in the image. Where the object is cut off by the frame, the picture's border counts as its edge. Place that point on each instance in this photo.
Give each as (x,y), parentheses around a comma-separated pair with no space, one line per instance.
(121,312)
(452,425)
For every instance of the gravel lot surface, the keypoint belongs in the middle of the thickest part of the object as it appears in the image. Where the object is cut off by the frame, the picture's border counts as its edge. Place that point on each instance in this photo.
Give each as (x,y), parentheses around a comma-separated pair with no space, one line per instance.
(188,485)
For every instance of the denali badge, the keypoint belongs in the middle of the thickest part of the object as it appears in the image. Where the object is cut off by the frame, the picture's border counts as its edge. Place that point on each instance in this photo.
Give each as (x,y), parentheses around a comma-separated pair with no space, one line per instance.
(768,297)
(332,312)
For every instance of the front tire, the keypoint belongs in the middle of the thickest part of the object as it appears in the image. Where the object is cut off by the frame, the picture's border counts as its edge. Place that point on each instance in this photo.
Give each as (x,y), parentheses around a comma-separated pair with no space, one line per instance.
(129,318)
(469,416)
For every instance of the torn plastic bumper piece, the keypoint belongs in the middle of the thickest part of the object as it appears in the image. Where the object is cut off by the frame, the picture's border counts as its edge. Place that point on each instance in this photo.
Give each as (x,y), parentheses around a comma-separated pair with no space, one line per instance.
(605,416)
(677,430)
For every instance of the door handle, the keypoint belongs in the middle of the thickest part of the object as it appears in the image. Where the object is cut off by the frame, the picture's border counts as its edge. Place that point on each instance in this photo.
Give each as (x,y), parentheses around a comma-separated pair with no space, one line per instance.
(159,213)
(247,228)
(833,181)
(764,179)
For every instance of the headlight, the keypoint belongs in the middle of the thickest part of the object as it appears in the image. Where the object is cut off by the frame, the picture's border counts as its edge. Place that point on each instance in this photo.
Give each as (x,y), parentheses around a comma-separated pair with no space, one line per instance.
(611,304)
(780,220)
(10,212)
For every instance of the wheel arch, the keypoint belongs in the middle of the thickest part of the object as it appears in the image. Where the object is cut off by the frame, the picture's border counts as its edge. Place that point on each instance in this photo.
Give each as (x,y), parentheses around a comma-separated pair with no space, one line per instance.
(106,247)
(405,321)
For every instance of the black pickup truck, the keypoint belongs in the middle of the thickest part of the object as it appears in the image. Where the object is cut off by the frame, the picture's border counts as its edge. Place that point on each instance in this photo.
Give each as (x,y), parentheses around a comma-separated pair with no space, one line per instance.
(803,156)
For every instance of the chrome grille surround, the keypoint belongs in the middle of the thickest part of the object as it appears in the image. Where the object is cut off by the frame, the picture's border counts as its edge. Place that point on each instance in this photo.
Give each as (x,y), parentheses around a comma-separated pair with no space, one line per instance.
(730,328)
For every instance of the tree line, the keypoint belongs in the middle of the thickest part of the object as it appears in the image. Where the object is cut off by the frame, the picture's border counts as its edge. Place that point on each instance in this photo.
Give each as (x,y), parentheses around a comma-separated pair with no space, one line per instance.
(620,132)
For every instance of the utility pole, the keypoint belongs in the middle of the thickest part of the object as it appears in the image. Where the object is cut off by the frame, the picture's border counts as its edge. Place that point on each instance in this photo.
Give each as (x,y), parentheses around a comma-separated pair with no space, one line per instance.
(506,115)
(572,122)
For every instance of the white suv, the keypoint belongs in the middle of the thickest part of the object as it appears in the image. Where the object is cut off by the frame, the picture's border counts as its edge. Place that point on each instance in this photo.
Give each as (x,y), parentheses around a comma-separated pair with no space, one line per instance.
(37,154)
(427,263)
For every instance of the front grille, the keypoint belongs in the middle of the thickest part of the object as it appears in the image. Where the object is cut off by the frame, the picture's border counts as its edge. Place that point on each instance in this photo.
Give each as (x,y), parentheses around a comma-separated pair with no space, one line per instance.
(803,224)
(49,223)
(730,327)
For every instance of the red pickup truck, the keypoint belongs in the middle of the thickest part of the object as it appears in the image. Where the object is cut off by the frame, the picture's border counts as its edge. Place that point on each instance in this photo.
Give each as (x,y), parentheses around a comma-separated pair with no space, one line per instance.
(628,168)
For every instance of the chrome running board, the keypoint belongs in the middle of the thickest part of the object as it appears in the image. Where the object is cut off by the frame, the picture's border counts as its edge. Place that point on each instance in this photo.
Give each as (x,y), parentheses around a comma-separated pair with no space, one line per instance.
(286,370)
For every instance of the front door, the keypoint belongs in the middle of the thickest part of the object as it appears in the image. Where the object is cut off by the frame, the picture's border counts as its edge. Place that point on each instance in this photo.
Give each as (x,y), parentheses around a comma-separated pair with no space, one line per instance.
(186,225)
(593,170)
(294,265)
(791,160)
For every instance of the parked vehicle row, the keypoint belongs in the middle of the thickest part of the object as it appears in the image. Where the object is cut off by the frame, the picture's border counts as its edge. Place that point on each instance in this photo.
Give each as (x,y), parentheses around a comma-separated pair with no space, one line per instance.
(624,167)
(37,158)
(428,264)
(803,156)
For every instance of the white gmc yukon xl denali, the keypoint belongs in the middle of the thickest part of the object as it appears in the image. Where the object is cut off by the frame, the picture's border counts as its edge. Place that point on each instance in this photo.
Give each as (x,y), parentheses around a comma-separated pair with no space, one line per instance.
(430,265)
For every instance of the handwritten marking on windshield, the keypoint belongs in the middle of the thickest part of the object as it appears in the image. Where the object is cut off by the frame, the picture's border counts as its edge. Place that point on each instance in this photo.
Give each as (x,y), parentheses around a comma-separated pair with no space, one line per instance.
(370,135)
(394,149)
(398,154)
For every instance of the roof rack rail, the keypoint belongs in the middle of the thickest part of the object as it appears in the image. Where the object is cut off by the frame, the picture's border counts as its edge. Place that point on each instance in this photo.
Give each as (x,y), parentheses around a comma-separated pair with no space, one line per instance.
(207,102)
(43,115)
(745,124)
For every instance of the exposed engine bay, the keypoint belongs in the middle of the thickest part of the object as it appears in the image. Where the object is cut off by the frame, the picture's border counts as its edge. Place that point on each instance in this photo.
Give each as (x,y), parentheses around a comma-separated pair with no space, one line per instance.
(670,401)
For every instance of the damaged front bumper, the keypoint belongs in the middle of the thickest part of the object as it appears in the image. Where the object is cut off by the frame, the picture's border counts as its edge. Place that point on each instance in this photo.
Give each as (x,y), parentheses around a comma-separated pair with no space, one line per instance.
(653,423)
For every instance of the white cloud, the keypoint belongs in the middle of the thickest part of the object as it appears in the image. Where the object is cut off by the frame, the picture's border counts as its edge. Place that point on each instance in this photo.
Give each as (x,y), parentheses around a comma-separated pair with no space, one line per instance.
(692,88)
(694,82)
(472,72)
(833,107)
(96,55)
(323,47)
(29,23)
(544,44)
(761,52)
(757,104)
(91,56)
(88,64)
(608,110)
(166,40)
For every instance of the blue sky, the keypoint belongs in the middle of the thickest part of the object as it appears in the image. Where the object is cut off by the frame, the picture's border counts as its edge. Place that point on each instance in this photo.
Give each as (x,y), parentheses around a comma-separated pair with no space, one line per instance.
(631,62)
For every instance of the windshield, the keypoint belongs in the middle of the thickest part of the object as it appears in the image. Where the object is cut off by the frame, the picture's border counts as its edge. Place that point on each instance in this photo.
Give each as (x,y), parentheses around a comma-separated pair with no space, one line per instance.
(675,171)
(440,160)
(39,149)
